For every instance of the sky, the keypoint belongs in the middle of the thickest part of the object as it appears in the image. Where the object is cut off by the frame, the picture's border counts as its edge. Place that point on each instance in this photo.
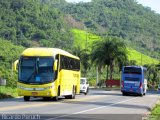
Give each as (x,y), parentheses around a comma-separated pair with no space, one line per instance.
(153,4)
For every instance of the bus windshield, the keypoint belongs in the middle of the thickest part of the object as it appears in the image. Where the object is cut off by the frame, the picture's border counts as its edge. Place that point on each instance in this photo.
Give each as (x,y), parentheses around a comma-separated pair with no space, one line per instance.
(132,70)
(36,69)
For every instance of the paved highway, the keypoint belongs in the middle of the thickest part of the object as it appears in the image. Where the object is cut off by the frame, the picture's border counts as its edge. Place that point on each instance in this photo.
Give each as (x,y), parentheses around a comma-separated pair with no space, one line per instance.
(98,104)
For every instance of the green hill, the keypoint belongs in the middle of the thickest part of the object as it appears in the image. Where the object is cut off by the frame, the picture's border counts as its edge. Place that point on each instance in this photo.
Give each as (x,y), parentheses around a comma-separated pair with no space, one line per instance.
(82,37)
(138,57)
(8,54)
(33,23)
(125,19)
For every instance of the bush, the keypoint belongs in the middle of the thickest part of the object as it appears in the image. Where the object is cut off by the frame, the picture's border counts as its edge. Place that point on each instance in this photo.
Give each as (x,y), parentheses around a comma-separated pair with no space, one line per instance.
(92,81)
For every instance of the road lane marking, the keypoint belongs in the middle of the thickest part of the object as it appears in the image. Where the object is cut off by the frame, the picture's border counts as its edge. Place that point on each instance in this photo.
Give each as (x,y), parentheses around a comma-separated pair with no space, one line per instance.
(45,104)
(83,111)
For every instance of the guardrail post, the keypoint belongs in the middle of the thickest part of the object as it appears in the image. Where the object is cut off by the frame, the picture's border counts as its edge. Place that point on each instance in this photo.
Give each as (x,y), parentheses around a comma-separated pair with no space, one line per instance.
(2,82)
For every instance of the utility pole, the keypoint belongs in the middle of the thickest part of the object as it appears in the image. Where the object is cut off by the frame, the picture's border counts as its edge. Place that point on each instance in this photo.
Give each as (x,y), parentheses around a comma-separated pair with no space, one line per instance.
(86,40)
(97,78)
(141,59)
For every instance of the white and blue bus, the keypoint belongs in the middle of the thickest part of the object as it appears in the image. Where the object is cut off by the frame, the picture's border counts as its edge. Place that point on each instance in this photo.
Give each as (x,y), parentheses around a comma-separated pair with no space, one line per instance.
(134,80)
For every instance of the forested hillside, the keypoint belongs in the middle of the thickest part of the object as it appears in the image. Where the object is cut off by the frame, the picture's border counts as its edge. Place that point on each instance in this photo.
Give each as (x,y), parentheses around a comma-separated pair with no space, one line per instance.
(8,54)
(52,23)
(48,22)
(33,23)
(122,18)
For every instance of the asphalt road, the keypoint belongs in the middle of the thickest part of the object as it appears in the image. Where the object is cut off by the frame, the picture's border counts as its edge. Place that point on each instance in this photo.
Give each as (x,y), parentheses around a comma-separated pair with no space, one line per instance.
(97,105)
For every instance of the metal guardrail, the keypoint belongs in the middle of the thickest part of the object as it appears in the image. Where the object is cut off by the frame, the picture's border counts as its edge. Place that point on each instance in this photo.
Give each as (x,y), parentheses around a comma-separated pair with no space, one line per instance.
(2,82)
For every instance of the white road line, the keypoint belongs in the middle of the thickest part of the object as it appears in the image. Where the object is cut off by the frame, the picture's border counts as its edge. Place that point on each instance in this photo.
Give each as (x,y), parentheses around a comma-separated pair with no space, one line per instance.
(90,109)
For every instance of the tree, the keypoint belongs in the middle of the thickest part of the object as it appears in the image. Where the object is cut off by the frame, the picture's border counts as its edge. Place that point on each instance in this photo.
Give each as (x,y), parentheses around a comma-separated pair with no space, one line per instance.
(152,72)
(109,51)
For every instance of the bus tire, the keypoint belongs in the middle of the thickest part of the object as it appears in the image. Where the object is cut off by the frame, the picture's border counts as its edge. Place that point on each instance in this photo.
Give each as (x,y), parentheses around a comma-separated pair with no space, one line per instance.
(141,94)
(26,98)
(46,98)
(55,98)
(124,93)
(58,94)
(73,94)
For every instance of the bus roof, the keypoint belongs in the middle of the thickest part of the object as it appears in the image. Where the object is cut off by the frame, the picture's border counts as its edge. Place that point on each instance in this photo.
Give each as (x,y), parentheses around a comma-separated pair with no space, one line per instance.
(42,51)
(137,67)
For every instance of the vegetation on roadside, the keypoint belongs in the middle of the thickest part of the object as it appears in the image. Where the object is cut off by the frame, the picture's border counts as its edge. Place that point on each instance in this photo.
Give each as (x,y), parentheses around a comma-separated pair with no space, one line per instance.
(7,92)
(33,23)
(155,113)
(8,54)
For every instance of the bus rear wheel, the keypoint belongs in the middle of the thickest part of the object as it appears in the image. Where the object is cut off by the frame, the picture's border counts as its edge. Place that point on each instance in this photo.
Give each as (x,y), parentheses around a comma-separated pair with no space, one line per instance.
(124,93)
(141,94)
(55,98)
(26,98)
(73,94)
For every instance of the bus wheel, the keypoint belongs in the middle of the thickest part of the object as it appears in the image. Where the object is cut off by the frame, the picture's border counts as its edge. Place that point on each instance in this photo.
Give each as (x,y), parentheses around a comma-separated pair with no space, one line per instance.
(46,98)
(58,94)
(26,98)
(141,94)
(55,98)
(124,93)
(73,94)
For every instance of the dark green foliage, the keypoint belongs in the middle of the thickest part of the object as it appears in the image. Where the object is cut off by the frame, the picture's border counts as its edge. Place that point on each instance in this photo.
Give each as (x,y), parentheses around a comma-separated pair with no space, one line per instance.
(153,72)
(122,18)
(109,52)
(9,53)
(33,23)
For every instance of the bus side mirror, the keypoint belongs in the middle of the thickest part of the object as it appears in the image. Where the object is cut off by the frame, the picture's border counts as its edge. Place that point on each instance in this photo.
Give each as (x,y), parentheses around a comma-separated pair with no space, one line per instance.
(55,65)
(15,65)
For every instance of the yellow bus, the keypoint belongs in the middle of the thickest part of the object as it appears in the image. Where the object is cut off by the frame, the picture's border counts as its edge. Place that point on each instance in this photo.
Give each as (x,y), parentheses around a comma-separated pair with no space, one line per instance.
(48,73)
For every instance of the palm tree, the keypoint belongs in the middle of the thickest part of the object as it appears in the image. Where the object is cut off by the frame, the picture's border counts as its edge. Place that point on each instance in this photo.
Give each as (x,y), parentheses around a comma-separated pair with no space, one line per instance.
(109,51)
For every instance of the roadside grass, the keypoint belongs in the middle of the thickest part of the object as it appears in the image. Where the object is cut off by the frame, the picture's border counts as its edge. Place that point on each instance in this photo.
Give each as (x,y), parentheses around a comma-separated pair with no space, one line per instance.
(7,92)
(155,112)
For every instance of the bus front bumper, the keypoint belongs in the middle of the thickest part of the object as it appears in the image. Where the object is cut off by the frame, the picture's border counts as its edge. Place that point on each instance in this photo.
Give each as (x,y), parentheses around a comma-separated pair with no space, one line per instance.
(134,91)
(45,93)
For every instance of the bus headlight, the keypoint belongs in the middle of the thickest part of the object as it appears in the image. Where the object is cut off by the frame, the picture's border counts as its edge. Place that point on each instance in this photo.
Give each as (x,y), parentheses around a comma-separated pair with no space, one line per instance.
(24,88)
(49,87)
(35,89)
